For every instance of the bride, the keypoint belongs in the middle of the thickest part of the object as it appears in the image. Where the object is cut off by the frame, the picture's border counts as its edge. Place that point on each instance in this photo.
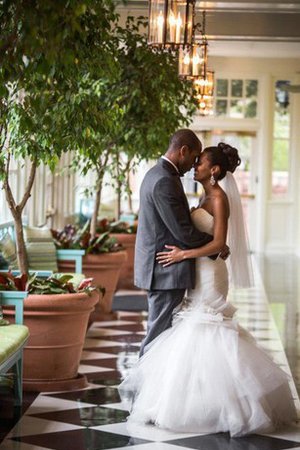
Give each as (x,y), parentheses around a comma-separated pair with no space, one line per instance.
(206,373)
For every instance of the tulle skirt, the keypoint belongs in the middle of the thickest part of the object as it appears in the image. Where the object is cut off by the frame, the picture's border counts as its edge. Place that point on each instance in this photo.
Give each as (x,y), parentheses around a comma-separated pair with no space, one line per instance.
(207,374)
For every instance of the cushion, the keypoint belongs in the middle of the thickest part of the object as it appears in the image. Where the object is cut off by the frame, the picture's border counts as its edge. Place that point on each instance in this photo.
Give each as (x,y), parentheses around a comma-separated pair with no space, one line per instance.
(8,251)
(41,251)
(12,337)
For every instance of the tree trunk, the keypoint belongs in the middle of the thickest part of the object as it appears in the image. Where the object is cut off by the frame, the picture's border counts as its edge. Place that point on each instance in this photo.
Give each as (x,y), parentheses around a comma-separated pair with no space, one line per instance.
(21,249)
(119,194)
(16,211)
(129,191)
(96,209)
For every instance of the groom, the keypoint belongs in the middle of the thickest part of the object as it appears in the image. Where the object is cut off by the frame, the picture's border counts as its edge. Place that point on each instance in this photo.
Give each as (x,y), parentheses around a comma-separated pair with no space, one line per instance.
(164,218)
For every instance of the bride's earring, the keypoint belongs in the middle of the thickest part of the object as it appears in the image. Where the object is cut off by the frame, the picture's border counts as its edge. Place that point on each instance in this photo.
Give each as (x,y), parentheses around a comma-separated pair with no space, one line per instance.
(212,180)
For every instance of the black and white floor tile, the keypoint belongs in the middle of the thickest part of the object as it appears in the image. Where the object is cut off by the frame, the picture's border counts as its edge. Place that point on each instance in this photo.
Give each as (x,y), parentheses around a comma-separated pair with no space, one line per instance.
(94,418)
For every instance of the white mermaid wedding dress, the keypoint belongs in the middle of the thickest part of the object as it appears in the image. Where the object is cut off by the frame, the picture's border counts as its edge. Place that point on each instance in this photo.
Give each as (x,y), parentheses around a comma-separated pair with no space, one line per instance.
(206,373)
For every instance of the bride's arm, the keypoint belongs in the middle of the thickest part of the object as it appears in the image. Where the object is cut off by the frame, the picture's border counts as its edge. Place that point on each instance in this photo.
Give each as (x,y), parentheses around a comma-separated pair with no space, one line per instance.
(220,213)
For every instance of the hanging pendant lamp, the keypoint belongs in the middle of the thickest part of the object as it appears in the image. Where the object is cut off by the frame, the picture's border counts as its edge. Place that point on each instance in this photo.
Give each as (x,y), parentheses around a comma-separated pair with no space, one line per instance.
(170,23)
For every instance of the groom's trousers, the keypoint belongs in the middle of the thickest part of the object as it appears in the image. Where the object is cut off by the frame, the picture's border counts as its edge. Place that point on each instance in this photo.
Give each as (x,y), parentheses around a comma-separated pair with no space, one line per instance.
(160,308)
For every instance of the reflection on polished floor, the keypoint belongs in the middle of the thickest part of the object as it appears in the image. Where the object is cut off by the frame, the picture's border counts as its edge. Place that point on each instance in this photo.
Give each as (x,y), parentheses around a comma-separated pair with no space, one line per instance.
(93,418)
(281,279)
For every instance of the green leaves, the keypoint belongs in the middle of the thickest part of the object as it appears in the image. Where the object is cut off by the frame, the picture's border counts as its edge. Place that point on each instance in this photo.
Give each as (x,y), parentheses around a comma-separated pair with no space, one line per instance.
(73,79)
(55,284)
(70,237)
(59,284)
(138,106)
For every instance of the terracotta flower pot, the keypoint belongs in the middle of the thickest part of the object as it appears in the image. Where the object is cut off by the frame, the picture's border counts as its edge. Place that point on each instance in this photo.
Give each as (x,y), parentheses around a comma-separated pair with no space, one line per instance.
(127,271)
(105,270)
(57,326)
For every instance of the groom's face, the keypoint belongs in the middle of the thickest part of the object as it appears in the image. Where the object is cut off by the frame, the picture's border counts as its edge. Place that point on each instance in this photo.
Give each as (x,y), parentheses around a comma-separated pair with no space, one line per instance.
(188,158)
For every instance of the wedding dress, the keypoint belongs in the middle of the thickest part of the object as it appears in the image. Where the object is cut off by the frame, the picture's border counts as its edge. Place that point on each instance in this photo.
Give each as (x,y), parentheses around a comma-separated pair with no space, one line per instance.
(206,373)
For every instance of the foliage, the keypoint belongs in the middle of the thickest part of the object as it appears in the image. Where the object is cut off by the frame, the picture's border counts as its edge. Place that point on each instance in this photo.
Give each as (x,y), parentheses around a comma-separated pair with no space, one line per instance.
(71,237)
(9,282)
(52,58)
(147,104)
(72,79)
(116,227)
(55,284)
(151,93)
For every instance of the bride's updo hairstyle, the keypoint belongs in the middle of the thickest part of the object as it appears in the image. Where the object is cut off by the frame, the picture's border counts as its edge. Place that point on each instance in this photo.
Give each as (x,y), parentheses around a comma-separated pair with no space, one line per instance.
(224,156)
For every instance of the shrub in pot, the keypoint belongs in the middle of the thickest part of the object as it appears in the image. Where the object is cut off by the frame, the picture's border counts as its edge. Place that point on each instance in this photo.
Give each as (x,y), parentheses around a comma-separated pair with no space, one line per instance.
(103,261)
(56,311)
(125,234)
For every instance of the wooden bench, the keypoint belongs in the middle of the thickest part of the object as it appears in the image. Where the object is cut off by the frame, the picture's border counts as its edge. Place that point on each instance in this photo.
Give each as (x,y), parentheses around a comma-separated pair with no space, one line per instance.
(13,339)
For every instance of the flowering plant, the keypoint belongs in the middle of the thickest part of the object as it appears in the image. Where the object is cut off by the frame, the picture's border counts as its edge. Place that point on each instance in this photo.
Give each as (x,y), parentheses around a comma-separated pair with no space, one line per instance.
(71,237)
(55,284)
(116,226)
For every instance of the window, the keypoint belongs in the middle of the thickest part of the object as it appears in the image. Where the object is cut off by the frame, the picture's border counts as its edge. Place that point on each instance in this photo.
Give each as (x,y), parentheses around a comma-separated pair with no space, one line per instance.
(281,140)
(236,98)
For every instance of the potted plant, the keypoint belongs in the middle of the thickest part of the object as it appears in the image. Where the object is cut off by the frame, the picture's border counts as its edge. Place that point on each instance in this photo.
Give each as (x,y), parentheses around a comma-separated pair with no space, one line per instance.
(45,86)
(125,234)
(56,311)
(102,261)
(47,79)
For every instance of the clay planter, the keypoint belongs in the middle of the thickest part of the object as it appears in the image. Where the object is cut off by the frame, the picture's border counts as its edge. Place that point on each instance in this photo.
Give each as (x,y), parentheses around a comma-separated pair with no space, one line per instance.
(105,270)
(127,272)
(57,326)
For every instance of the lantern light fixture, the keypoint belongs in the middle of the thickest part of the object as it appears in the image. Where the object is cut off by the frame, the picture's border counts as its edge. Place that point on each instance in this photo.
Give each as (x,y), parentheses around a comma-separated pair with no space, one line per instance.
(191,61)
(204,83)
(171,23)
(204,88)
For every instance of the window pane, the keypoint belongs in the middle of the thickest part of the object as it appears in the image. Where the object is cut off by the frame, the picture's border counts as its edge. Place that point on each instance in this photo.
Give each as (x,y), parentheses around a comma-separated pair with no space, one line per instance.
(236,88)
(222,88)
(282,116)
(251,108)
(251,88)
(280,174)
(221,107)
(280,182)
(281,143)
(236,109)
(280,155)
(281,125)
(236,98)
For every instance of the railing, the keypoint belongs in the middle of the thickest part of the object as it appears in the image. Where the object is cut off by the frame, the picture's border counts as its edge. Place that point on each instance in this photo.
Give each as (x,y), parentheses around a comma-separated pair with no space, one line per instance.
(7,227)
(71,255)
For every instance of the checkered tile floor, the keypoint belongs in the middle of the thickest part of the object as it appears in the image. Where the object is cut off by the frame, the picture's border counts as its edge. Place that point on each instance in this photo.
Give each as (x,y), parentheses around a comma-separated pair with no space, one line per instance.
(93,418)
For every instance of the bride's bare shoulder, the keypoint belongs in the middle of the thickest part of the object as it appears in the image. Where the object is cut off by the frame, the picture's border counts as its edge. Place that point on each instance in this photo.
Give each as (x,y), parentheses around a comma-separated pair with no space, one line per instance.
(220,201)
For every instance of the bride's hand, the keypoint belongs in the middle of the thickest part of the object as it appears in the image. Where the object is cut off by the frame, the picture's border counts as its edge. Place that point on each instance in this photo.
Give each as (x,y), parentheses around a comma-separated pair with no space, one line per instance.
(167,258)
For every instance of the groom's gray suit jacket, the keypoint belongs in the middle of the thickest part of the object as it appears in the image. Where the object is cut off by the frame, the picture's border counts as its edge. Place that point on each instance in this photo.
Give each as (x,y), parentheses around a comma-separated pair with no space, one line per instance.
(164,218)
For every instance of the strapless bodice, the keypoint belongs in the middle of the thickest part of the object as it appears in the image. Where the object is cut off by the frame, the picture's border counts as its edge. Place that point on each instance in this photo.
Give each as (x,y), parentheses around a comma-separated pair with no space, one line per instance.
(211,283)
(203,220)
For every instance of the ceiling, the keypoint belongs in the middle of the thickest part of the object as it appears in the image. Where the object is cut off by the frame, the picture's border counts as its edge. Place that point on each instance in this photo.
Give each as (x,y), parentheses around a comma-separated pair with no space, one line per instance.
(269,28)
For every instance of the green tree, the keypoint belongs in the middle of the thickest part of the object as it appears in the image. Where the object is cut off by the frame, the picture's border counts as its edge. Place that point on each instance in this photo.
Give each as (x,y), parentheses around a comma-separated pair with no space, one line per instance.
(148,103)
(52,57)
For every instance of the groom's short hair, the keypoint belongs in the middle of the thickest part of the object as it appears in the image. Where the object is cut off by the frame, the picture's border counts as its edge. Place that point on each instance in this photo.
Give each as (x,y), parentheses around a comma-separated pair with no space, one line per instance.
(184,137)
